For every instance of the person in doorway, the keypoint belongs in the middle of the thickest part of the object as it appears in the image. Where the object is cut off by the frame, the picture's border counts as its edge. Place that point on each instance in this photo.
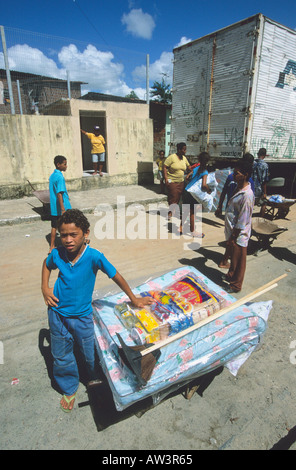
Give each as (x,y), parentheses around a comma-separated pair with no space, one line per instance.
(199,172)
(160,176)
(70,302)
(174,169)
(59,198)
(238,225)
(97,149)
(261,177)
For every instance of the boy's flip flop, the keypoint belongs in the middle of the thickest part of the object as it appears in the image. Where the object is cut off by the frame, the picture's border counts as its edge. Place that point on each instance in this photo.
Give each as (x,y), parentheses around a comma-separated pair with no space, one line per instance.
(68,401)
(197,235)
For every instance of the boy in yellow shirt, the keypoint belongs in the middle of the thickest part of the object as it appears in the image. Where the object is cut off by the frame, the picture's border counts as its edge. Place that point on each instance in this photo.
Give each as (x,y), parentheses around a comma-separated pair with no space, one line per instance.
(97,149)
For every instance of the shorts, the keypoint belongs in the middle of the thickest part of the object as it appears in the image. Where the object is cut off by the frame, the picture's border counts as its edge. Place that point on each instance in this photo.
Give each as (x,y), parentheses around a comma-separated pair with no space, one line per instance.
(98,157)
(54,220)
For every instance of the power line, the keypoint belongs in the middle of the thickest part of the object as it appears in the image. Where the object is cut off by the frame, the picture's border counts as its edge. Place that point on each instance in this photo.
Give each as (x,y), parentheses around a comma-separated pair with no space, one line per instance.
(89,21)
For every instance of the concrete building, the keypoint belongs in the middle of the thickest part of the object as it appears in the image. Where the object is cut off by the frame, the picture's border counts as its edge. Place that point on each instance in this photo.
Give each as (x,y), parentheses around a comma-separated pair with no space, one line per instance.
(29,143)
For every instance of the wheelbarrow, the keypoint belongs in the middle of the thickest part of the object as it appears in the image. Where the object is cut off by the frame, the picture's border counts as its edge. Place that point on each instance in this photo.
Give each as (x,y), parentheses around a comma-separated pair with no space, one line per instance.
(278,210)
(266,232)
(42,196)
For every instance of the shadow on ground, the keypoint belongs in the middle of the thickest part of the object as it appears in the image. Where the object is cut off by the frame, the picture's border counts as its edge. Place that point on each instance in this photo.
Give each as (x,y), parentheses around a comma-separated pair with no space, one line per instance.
(100,398)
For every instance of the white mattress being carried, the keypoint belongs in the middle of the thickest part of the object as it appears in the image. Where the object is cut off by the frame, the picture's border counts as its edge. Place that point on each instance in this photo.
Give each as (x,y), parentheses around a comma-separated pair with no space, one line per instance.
(227,341)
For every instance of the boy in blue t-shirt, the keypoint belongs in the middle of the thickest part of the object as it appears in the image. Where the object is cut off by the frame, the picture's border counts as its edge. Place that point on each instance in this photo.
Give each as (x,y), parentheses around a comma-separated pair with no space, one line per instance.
(70,301)
(59,198)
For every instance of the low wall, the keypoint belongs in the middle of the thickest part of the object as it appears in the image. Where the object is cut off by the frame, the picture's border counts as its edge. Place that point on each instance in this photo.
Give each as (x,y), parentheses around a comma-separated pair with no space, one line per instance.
(28,145)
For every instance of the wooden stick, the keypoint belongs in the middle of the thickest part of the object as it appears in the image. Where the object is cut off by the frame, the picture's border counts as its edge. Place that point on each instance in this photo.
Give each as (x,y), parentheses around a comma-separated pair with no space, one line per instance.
(247,298)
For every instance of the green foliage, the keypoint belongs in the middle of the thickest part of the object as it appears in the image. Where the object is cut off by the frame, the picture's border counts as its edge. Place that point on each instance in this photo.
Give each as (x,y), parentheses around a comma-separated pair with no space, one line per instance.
(132,95)
(161,92)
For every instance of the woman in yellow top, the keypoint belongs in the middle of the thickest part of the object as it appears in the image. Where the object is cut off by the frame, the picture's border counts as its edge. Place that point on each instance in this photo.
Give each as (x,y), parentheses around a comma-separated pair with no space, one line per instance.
(97,149)
(174,168)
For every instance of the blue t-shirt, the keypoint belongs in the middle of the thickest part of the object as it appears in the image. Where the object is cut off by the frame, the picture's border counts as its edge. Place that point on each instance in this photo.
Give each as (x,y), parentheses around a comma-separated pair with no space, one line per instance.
(195,177)
(57,185)
(75,283)
(230,185)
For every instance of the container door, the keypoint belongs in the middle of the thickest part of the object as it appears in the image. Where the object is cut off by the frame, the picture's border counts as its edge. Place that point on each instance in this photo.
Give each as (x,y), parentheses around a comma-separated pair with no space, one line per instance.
(274,122)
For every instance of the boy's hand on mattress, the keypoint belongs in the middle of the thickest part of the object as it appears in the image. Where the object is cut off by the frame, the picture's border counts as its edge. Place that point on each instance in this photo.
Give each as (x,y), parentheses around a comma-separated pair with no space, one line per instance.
(140,302)
(50,299)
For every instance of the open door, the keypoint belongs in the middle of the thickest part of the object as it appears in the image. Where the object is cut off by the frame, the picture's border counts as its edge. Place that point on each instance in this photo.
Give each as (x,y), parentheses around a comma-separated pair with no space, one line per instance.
(89,119)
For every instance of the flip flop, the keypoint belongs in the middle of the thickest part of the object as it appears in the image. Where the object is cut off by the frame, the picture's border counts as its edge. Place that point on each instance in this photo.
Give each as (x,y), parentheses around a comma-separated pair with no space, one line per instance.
(68,401)
(197,235)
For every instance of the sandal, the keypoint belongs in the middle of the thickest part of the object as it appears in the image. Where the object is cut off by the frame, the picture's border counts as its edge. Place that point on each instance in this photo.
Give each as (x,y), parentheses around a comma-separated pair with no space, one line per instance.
(68,400)
(93,383)
(197,235)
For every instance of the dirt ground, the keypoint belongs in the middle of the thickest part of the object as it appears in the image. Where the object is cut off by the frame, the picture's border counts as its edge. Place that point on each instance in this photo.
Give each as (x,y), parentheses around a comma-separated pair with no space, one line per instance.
(255,410)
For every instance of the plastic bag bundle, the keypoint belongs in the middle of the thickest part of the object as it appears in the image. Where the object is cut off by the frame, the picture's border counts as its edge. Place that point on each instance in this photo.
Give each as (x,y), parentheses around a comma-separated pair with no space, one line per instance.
(175,308)
(202,197)
(221,177)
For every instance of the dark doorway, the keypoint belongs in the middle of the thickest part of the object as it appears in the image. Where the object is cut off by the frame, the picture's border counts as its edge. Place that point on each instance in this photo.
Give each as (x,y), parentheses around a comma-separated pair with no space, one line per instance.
(89,119)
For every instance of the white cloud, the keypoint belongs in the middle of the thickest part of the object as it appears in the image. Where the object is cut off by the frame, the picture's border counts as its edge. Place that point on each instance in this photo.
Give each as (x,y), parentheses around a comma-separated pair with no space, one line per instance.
(138,23)
(183,41)
(97,68)
(24,58)
(162,67)
(92,66)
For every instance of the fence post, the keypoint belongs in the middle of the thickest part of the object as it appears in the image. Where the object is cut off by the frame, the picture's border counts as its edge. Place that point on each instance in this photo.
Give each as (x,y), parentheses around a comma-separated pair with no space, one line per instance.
(12,108)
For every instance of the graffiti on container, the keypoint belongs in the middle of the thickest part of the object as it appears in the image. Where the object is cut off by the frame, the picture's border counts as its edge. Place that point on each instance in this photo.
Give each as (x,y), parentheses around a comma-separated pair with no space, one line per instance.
(288,76)
(282,143)
(192,111)
(233,137)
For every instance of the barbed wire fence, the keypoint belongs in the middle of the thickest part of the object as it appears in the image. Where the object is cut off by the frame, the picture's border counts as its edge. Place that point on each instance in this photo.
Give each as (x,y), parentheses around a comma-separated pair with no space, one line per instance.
(44,70)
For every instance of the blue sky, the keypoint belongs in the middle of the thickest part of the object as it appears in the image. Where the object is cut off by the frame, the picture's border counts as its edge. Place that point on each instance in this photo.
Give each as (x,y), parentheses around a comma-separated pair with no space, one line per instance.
(105,43)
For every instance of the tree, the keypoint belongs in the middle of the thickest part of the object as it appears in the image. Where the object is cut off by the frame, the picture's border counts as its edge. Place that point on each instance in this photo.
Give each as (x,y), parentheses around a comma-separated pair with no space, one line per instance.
(132,95)
(162,92)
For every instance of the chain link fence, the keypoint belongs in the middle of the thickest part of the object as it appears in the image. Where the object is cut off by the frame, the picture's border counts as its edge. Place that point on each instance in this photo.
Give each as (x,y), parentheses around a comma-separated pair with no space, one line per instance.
(44,71)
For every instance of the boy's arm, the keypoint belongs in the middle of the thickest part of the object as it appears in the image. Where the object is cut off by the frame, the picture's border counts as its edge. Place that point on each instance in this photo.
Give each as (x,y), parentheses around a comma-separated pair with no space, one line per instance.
(138,302)
(221,200)
(50,299)
(61,202)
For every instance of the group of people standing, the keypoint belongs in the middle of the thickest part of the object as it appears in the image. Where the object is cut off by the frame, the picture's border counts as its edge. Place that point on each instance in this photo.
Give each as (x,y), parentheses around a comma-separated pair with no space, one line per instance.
(244,186)
(69,301)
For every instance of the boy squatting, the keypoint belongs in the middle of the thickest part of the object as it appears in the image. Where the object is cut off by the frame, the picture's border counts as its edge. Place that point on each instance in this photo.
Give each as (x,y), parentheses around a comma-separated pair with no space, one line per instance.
(69,301)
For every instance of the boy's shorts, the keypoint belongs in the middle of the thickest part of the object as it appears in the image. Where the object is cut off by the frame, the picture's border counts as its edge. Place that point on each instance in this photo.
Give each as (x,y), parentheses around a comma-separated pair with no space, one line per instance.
(54,221)
(98,157)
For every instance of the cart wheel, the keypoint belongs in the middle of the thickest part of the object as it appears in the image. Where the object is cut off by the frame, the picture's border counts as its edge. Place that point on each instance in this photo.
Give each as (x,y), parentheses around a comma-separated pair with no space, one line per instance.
(282,213)
(269,211)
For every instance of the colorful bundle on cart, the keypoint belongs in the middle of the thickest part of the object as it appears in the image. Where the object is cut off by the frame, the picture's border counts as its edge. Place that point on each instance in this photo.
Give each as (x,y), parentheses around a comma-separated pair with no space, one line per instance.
(175,308)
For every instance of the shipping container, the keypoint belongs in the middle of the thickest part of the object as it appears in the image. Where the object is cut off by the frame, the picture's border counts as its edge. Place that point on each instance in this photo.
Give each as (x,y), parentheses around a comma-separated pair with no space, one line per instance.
(234,91)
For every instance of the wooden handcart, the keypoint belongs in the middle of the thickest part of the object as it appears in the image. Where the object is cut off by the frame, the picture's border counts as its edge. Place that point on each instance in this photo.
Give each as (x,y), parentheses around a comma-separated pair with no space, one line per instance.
(43,197)
(278,210)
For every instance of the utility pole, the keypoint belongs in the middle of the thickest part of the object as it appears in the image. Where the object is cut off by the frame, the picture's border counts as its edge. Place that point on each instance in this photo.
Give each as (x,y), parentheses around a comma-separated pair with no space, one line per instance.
(68,84)
(147,78)
(7,70)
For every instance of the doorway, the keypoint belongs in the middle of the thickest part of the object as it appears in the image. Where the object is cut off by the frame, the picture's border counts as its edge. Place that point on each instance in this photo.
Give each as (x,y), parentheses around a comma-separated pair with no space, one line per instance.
(89,119)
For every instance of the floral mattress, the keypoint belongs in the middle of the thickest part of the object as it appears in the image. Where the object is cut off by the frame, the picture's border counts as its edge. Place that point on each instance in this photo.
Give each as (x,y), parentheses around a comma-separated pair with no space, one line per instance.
(227,341)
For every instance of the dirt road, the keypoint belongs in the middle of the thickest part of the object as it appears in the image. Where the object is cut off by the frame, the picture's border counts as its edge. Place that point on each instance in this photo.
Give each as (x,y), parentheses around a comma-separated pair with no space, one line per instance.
(255,410)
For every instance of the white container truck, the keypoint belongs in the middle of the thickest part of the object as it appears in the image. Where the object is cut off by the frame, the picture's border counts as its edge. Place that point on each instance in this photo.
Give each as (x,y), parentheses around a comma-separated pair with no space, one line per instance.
(234,91)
